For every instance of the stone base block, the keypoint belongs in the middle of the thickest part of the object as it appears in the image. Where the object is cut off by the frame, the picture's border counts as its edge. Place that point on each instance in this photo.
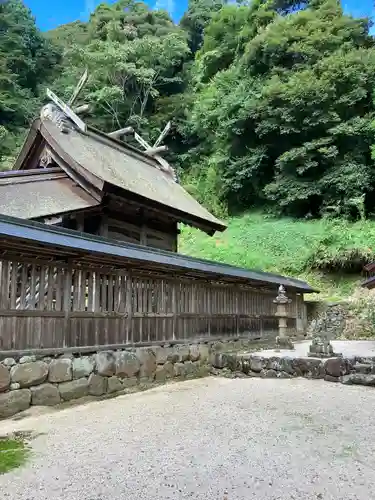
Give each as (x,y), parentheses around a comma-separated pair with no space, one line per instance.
(45,395)
(14,401)
(323,355)
(284,343)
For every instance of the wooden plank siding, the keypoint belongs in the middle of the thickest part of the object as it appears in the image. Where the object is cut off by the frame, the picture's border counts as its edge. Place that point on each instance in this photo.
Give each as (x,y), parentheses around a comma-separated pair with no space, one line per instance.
(59,306)
(122,222)
(129,222)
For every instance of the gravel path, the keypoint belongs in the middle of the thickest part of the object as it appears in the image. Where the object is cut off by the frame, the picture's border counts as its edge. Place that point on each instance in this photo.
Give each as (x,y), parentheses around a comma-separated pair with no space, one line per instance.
(251,438)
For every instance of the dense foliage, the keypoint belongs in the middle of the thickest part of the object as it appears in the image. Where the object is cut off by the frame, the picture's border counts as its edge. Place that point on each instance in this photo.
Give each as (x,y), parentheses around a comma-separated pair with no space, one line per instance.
(327,253)
(290,106)
(27,60)
(272,101)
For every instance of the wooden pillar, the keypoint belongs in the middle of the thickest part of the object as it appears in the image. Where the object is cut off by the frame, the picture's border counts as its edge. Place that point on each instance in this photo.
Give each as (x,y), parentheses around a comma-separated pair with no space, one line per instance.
(143,235)
(67,297)
(301,315)
(103,231)
(80,218)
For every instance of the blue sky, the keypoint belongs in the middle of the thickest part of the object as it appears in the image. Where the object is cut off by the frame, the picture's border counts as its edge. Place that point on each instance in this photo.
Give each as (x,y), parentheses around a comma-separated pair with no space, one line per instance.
(52,13)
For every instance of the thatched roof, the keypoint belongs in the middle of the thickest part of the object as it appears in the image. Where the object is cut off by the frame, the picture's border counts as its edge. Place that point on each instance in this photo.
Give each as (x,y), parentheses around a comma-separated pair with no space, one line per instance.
(99,163)
(33,194)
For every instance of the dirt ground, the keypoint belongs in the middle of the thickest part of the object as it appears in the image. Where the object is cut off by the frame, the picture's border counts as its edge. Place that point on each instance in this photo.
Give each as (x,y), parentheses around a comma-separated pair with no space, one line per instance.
(212,438)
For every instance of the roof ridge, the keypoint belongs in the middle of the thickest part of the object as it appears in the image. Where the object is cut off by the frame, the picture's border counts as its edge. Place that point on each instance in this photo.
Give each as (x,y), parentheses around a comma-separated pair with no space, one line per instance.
(65,124)
(30,172)
(30,176)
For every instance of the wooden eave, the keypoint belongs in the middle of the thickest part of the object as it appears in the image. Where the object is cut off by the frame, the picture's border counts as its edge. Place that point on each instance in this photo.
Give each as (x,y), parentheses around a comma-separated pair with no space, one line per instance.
(42,193)
(71,167)
(33,144)
(158,207)
(39,241)
(32,148)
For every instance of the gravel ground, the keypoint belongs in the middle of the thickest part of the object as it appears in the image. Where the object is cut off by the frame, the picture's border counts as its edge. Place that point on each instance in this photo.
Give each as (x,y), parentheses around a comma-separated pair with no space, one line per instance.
(206,439)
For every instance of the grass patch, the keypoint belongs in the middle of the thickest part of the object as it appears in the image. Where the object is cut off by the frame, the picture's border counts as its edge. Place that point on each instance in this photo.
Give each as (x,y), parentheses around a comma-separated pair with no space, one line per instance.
(329,254)
(13,453)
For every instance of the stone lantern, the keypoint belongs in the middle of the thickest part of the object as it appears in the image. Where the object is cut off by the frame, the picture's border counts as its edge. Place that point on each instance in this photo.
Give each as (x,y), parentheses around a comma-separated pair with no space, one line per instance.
(283,341)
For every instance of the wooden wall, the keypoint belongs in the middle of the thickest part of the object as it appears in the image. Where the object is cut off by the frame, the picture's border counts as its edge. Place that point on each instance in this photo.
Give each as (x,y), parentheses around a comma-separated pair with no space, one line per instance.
(127,222)
(60,306)
(125,231)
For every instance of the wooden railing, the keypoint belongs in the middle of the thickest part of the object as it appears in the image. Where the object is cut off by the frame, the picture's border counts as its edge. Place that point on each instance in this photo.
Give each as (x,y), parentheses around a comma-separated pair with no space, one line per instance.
(57,307)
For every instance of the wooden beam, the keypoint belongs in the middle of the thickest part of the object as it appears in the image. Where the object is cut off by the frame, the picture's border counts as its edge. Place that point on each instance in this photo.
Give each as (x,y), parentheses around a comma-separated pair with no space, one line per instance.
(156,151)
(85,108)
(141,141)
(67,110)
(162,136)
(133,224)
(165,167)
(116,134)
(78,88)
(121,205)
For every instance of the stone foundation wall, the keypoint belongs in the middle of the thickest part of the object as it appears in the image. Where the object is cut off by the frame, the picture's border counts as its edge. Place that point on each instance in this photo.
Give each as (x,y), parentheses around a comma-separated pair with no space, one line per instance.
(48,381)
(353,370)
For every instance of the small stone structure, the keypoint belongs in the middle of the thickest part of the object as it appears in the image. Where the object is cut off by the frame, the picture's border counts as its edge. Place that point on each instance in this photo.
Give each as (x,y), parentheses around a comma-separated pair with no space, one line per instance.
(321,347)
(283,341)
(356,370)
(48,381)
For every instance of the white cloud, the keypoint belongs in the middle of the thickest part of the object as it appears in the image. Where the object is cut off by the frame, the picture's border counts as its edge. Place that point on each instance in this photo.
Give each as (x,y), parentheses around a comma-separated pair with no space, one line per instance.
(168,5)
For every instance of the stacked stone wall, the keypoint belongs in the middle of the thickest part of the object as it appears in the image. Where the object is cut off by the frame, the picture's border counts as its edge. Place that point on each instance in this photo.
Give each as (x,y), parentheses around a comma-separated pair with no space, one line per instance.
(353,370)
(330,319)
(48,381)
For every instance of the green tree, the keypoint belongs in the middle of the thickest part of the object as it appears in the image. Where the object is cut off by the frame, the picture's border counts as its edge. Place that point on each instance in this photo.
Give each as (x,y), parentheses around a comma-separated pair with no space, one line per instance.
(222,40)
(68,34)
(197,17)
(27,53)
(27,59)
(290,108)
(134,56)
(128,19)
